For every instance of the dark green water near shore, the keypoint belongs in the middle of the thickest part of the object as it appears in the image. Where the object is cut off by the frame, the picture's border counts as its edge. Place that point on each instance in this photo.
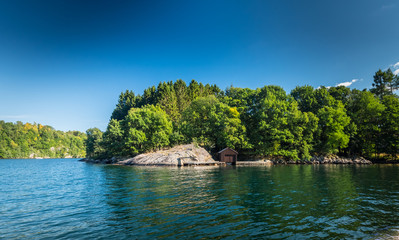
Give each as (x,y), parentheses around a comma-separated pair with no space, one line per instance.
(66,199)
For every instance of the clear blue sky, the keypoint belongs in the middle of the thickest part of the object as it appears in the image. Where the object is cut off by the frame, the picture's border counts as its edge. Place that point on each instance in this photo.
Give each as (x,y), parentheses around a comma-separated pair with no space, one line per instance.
(64,63)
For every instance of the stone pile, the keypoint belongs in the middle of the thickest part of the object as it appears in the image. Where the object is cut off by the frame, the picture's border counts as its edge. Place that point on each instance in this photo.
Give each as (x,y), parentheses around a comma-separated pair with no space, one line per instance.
(339,160)
(176,156)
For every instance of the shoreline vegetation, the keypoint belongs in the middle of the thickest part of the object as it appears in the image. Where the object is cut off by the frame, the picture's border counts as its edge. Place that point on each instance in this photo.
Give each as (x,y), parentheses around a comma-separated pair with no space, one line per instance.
(191,155)
(326,124)
(334,124)
(31,140)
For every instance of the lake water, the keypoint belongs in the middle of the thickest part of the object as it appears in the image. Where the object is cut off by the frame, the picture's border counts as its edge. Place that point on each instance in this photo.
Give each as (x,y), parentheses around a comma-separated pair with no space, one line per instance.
(67,199)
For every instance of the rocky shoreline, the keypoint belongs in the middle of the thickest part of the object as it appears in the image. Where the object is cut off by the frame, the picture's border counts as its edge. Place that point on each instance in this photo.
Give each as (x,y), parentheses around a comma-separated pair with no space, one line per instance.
(329,160)
(333,159)
(191,155)
(182,155)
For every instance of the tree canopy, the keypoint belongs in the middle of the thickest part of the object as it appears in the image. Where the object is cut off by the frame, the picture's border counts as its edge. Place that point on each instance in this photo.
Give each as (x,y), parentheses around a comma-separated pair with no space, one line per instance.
(385,83)
(27,140)
(264,122)
(213,124)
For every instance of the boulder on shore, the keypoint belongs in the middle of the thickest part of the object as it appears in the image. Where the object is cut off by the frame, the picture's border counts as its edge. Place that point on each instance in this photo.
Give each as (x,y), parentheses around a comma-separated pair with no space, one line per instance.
(332,159)
(176,156)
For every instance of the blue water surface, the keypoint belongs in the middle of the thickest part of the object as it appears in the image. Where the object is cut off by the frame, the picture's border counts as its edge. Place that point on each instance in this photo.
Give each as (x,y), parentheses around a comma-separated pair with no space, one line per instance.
(68,199)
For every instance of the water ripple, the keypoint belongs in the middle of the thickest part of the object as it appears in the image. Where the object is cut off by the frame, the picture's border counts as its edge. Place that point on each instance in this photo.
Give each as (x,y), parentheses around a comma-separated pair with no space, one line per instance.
(66,199)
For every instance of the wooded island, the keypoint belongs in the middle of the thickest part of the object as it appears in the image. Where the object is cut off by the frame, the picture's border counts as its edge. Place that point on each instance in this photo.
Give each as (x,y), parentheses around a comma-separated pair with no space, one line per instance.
(265,122)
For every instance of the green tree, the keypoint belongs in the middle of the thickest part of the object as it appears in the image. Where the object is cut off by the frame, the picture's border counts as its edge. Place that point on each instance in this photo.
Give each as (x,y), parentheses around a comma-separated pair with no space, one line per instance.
(127,100)
(213,124)
(265,120)
(280,129)
(149,97)
(366,112)
(146,129)
(167,100)
(27,140)
(340,93)
(385,83)
(305,96)
(390,125)
(332,125)
(182,97)
(113,138)
(240,98)
(94,148)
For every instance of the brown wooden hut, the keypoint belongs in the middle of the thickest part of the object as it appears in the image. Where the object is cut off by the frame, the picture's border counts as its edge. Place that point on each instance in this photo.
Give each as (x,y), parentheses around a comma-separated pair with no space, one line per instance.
(228,155)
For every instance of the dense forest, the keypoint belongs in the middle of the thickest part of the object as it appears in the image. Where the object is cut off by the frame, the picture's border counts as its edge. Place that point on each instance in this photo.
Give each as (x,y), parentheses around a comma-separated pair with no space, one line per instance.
(264,122)
(18,140)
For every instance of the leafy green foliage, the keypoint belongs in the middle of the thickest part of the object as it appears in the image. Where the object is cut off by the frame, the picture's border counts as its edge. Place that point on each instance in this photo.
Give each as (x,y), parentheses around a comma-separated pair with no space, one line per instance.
(145,129)
(332,124)
(19,140)
(340,93)
(279,128)
(141,130)
(334,129)
(173,98)
(112,139)
(265,121)
(213,124)
(127,100)
(366,111)
(385,82)
(94,143)
(305,96)
(390,126)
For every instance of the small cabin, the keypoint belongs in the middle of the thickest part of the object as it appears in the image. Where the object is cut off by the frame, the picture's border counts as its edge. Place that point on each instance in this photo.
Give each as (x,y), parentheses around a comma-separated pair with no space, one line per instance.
(228,155)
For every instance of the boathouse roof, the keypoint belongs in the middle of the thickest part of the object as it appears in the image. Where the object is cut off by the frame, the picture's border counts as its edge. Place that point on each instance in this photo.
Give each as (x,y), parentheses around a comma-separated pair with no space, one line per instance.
(228,149)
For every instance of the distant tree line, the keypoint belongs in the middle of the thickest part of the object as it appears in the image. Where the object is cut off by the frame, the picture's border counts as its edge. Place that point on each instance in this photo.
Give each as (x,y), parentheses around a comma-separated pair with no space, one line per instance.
(264,122)
(19,140)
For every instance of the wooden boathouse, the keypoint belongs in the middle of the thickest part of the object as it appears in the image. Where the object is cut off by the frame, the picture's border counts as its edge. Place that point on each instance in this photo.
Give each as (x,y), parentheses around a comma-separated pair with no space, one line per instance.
(228,155)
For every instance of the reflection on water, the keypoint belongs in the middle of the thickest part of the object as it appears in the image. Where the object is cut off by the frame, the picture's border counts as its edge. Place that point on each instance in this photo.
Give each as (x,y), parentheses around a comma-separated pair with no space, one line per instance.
(78,200)
(276,202)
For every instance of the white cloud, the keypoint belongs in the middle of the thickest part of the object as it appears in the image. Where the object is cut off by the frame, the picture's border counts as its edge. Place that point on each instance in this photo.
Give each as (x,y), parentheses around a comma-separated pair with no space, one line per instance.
(347,84)
(396,65)
(396,72)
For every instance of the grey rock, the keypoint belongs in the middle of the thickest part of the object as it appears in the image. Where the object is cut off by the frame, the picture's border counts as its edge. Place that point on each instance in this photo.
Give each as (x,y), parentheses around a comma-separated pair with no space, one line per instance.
(176,156)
